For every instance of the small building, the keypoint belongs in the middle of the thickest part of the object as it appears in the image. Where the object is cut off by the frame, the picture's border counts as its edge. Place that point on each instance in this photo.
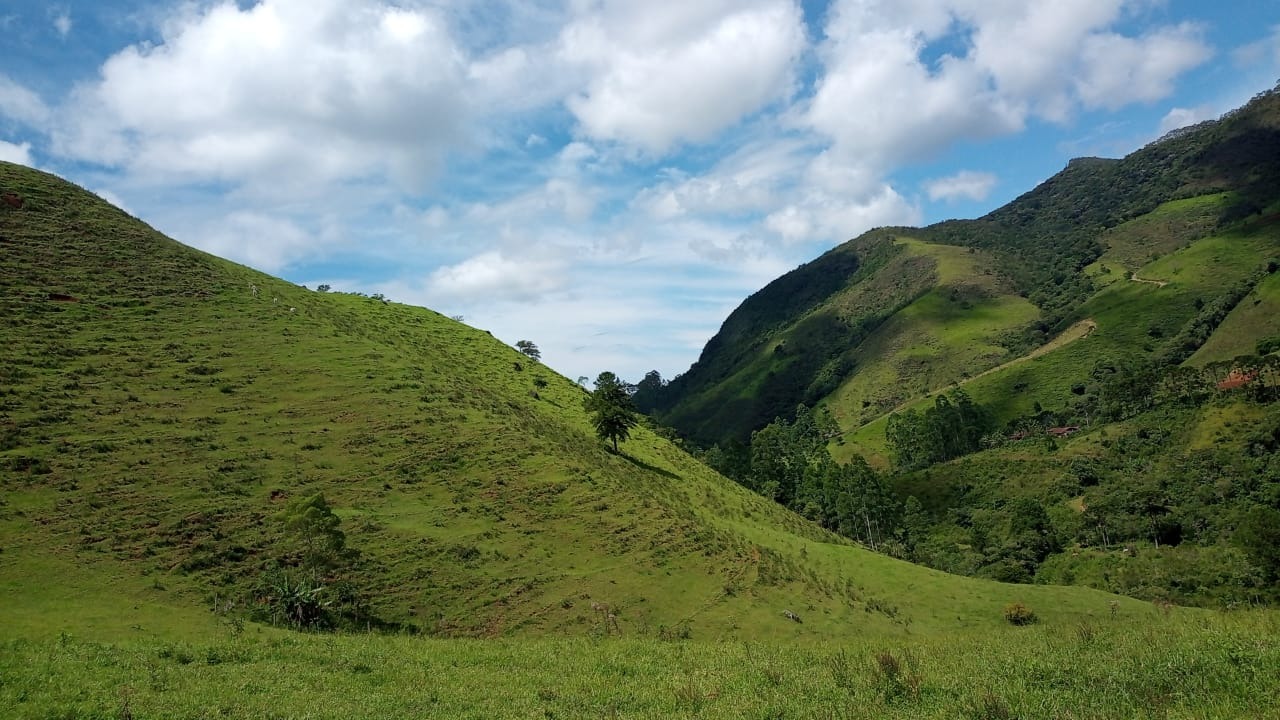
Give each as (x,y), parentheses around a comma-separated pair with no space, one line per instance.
(1064,431)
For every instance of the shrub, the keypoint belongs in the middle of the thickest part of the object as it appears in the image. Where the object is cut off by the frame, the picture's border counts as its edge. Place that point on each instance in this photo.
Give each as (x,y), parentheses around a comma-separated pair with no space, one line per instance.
(1018,614)
(298,601)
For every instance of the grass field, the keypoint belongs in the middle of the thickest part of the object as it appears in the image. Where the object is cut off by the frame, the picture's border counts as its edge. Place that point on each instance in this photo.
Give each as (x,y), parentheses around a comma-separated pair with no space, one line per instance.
(1168,228)
(1139,665)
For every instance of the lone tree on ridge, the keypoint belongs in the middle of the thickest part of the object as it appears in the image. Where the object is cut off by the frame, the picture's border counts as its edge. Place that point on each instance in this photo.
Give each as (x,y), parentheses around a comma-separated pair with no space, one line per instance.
(611,410)
(528,348)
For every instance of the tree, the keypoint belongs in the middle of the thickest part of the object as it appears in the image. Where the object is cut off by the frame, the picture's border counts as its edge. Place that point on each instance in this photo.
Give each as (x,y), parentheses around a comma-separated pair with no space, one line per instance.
(1259,534)
(648,391)
(313,524)
(611,410)
(528,348)
(953,427)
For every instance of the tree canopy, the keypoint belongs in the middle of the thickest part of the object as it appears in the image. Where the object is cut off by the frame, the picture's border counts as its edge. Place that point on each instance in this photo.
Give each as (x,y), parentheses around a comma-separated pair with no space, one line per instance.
(954,426)
(611,410)
(530,349)
(314,526)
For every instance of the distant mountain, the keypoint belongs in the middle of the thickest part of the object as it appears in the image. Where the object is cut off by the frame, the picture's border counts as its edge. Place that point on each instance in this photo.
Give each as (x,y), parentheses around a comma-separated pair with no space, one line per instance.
(899,313)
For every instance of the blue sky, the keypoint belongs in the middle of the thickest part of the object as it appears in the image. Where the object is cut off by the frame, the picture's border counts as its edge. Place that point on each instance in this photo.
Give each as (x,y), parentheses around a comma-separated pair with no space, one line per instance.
(606,178)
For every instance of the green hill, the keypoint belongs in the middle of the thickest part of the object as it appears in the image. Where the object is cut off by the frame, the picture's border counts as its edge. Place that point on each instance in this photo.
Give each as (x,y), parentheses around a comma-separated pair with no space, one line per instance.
(897,314)
(161,408)
(1110,341)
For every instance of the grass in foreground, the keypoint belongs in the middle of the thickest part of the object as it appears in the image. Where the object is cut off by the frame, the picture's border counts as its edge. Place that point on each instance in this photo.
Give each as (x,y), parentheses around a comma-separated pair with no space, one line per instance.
(1221,666)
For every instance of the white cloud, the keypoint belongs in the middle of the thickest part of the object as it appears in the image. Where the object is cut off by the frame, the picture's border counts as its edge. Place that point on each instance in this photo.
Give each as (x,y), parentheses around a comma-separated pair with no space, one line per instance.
(1117,70)
(21,104)
(1031,50)
(20,154)
(286,91)
(62,22)
(883,102)
(112,198)
(672,72)
(824,215)
(1265,52)
(279,131)
(495,277)
(964,185)
(1183,117)
(261,241)
(751,180)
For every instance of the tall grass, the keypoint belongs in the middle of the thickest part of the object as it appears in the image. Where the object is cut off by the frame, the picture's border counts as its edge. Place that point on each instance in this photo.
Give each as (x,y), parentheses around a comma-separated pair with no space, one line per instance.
(1223,667)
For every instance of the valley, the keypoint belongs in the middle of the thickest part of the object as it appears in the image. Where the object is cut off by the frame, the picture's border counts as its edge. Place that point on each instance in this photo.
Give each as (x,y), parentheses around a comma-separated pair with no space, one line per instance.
(226,494)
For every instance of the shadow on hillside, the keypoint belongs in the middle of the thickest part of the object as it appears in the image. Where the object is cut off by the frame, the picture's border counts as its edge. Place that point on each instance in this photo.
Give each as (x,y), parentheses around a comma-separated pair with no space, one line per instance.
(651,468)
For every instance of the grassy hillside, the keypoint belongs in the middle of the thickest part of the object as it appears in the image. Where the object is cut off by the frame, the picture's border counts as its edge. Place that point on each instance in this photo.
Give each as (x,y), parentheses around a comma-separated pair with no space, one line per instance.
(161,407)
(912,318)
(1128,319)
(1190,214)
(942,337)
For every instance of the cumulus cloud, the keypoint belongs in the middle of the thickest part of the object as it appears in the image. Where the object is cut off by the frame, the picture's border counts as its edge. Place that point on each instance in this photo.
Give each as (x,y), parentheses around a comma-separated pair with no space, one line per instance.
(112,198)
(964,185)
(1117,70)
(261,241)
(20,154)
(21,104)
(1183,117)
(495,277)
(895,91)
(608,161)
(824,215)
(1265,52)
(295,91)
(671,72)
(749,180)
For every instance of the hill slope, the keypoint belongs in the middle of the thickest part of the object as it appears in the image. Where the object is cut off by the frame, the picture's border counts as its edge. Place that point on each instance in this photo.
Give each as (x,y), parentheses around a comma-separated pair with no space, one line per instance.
(160,407)
(930,308)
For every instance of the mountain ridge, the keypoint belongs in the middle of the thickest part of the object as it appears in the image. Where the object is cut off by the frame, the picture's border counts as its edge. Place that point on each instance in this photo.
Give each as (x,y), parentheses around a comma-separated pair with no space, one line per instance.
(1043,246)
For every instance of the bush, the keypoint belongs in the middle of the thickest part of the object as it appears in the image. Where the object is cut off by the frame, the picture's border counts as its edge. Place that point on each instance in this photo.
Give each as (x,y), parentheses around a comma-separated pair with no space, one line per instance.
(1018,614)
(298,601)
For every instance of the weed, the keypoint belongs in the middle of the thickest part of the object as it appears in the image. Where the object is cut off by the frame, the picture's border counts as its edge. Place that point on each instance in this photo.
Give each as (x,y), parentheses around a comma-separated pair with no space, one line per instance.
(682,631)
(689,696)
(841,668)
(1016,613)
(895,677)
(989,706)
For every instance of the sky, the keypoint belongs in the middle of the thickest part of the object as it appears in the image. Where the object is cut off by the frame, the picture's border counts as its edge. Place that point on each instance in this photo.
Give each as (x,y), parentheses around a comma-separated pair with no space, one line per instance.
(606,178)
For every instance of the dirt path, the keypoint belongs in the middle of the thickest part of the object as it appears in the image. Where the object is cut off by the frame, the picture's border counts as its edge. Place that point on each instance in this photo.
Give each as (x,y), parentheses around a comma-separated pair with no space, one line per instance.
(1158,283)
(1078,331)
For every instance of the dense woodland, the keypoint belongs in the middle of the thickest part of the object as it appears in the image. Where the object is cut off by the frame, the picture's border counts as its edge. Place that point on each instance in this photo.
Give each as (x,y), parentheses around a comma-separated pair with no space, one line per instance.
(1140,513)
